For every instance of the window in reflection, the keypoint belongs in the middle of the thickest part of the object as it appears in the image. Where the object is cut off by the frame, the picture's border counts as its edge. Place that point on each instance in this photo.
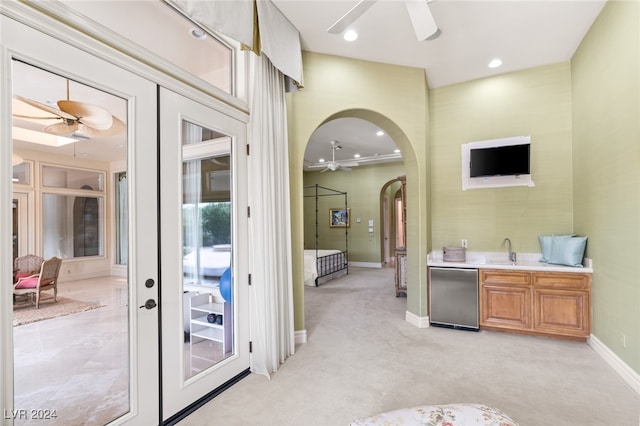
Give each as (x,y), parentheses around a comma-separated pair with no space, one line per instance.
(72,226)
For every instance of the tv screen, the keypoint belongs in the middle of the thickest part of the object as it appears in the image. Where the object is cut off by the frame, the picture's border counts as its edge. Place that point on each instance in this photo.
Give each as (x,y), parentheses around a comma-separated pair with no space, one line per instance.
(499,161)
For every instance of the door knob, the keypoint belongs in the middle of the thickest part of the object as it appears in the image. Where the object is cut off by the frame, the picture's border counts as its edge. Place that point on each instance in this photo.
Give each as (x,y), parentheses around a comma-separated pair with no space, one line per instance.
(149,304)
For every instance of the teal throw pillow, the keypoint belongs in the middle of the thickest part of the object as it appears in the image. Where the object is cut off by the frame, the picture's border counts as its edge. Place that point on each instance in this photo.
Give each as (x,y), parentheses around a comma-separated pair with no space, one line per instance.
(546,244)
(567,250)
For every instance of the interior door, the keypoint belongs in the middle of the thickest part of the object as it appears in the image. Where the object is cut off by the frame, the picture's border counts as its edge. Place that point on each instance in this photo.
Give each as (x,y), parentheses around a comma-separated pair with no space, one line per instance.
(20,240)
(204,293)
(53,374)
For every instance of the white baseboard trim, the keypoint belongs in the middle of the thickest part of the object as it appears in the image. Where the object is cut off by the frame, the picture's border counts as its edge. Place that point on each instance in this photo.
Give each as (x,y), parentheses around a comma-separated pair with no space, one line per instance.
(366,264)
(413,319)
(619,366)
(300,336)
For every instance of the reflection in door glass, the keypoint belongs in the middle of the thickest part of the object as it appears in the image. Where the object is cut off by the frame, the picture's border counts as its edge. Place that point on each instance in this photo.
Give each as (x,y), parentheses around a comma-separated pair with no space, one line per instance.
(71,352)
(207,250)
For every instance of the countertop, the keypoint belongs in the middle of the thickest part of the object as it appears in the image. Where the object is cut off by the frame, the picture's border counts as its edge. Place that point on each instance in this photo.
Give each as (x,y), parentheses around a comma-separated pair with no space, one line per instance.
(500,260)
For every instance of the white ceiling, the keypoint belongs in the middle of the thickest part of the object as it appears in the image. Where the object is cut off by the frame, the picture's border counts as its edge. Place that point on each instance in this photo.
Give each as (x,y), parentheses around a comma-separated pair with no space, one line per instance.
(355,137)
(523,34)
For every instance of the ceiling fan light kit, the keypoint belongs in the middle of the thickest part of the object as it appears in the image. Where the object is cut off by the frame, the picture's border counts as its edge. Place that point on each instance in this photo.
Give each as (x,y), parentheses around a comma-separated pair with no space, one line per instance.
(76,117)
(334,165)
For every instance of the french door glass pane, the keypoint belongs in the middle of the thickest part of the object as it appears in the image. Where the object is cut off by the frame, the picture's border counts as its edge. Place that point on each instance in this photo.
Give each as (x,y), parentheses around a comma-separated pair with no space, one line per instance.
(207,248)
(71,354)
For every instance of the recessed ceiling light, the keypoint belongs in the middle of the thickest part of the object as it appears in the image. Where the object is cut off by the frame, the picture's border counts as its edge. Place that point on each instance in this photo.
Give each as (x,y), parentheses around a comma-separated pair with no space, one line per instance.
(397,151)
(321,160)
(198,33)
(495,63)
(350,35)
(356,156)
(380,133)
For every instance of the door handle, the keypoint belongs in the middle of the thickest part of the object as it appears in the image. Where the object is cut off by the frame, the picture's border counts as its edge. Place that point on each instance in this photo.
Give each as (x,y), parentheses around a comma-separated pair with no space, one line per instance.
(149,304)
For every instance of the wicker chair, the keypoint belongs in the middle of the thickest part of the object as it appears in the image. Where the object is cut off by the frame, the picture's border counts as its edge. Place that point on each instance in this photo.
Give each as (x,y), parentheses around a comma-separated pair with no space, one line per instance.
(25,266)
(46,279)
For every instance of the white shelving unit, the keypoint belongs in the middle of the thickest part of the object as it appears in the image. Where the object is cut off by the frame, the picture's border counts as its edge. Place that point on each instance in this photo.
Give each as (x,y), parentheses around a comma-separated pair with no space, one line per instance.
(200,328)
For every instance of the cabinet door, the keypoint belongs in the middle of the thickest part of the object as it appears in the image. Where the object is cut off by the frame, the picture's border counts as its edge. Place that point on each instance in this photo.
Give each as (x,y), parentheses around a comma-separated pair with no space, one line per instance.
(562,312)
(506,299)
(507,307)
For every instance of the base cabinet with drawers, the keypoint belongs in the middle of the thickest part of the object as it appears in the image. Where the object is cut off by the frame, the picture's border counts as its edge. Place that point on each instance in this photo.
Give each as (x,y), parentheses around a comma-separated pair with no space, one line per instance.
(532,302)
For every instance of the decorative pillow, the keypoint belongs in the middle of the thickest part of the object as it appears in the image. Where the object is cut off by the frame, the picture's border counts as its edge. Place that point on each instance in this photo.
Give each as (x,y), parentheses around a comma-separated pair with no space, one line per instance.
(22,275)
(28,283)
(567,251)
(545,245)
(438,415)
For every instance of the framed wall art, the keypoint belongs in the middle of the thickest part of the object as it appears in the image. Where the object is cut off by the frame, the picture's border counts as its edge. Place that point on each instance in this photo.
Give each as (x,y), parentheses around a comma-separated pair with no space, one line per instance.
(339,217)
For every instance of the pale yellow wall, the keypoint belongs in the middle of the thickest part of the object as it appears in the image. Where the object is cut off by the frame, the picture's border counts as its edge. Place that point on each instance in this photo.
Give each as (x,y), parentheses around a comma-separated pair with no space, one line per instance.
(535,102)
(606,155)
(392,97)
(363,185)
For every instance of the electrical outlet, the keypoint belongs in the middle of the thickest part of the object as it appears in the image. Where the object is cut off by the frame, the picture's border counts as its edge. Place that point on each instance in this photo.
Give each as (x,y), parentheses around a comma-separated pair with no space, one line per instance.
(465,243)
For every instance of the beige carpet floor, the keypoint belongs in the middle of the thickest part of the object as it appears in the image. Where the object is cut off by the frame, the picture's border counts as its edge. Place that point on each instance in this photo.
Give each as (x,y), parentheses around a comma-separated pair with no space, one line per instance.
(25,312)
(363,358)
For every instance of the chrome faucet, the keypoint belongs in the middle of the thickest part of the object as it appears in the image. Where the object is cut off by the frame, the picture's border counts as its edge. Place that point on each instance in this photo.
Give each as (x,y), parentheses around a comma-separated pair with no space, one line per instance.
(512,254)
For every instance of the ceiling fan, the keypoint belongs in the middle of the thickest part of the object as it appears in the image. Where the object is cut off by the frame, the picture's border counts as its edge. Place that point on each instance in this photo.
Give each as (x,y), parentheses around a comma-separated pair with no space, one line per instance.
(333,165)
(76,117)
(423,23)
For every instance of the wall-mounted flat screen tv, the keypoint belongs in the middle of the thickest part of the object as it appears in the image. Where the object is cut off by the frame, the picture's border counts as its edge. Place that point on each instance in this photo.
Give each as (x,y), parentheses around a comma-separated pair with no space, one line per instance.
(506,160)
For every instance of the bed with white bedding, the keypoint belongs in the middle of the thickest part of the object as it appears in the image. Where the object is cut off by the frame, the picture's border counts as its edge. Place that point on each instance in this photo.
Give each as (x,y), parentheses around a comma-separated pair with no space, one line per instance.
(322,265)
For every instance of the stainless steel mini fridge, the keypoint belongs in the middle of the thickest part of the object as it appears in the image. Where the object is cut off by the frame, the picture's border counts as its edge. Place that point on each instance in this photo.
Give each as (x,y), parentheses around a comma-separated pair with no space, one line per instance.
(453,297)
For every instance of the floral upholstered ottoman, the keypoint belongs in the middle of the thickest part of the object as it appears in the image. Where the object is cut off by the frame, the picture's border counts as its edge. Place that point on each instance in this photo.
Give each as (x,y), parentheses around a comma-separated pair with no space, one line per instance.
(440,415)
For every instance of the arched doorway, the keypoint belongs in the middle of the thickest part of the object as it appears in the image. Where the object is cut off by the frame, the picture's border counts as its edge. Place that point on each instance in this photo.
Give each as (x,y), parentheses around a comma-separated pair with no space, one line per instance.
(381,224)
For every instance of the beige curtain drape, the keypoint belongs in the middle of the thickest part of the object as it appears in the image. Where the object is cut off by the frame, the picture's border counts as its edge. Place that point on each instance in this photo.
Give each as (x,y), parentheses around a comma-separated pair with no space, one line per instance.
(257,24)
(271,292)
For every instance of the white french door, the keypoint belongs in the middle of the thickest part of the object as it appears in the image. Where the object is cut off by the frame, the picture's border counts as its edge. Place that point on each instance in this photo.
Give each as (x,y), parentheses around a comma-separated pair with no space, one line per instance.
(204,293)
(63,375)
(184,267)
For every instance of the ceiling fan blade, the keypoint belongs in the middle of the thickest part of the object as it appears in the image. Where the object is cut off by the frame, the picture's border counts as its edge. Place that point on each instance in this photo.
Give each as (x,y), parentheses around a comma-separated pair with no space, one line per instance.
(422,19)
(349,164)
(62,129)
(324,170)
(351,16)
(90,115)
(117,126)
(345,169)
(26,111)
(47,108)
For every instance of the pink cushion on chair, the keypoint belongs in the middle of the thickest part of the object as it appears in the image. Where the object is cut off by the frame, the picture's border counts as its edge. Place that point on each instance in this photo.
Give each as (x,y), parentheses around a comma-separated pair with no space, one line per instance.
(22,275)
(28,283)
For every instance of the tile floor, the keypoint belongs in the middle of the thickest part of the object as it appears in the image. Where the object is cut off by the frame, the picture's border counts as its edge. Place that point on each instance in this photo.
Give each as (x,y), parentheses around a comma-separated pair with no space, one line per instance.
(78,365)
